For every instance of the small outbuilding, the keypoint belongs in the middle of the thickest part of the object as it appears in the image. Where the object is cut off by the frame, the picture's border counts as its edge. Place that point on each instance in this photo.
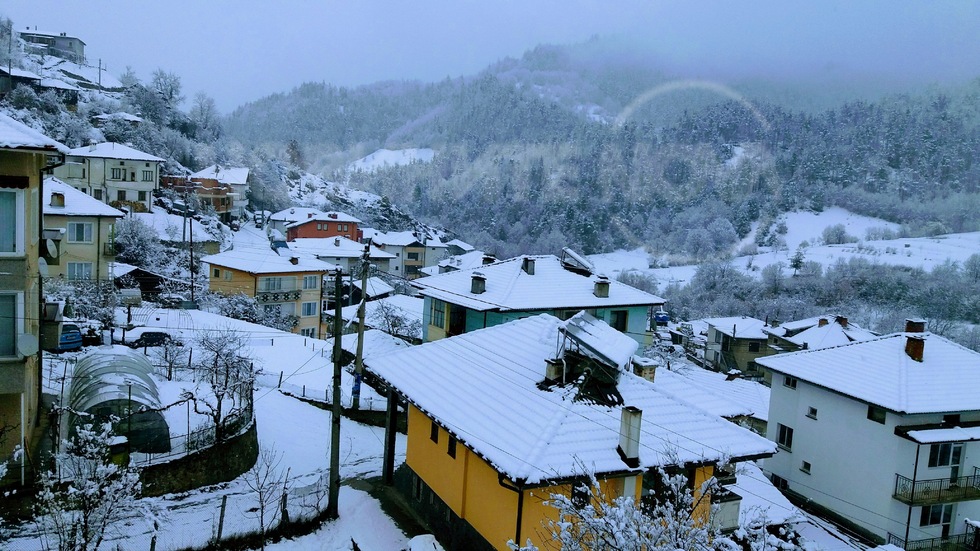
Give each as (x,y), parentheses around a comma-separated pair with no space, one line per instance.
(116,381)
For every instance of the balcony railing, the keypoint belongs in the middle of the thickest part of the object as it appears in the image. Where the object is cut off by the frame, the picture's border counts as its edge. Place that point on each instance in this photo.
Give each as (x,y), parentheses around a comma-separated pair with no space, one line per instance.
(936,490)
(957,542)
(277,296)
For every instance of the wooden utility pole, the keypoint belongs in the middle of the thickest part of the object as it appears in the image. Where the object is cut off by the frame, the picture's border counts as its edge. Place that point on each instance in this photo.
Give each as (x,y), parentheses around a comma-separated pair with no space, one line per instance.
(334,490)
(359,360)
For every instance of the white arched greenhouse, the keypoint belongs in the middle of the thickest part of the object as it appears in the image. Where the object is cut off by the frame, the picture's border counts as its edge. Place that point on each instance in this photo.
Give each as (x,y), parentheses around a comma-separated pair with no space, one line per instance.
(116,381)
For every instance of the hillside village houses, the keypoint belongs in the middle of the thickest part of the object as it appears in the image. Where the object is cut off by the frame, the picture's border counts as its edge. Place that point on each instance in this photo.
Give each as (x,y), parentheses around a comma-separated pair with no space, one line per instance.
(56,44)
(412,253)
(78,233)
(113,173)
(281,280)
(24,154)
(461,301)
(884,434)
(735,343)
(232,180)
(342,251)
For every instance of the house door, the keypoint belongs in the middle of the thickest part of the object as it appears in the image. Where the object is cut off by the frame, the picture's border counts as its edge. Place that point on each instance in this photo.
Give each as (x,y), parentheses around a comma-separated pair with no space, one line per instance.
(955,458)
(457,321)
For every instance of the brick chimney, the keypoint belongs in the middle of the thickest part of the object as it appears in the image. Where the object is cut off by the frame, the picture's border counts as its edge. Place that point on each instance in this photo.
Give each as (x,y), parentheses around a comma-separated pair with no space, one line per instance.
(629,436)
(489,259)
(915,325)
(823,322)
(294,260)
(842,321)
(528,265)
(478,283)
(601,288)
(914,347)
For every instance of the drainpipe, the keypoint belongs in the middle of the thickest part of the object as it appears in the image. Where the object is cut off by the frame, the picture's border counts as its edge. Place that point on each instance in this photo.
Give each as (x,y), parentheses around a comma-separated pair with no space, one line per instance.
(915,473)
(519,490)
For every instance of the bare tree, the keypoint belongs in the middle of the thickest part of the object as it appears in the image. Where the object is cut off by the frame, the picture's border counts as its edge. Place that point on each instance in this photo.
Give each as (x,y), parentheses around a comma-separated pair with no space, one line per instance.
(268,482)
(226,377)
(77,502)
(394,321)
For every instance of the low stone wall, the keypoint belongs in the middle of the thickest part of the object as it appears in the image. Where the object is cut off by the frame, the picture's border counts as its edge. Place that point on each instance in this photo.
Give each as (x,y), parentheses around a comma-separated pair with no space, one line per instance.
(219,463)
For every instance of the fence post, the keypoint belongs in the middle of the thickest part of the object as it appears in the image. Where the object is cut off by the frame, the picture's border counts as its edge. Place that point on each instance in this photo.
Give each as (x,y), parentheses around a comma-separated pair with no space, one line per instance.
(221,517)
(304,391)
(284,514)
(280,380)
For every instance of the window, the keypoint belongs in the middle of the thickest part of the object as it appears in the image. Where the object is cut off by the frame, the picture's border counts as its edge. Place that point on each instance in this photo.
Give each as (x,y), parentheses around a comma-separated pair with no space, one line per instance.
(308,332)
(779,482)
(876,414)
(945,455)
(309,282)
(309,308)
(413,256)
(417,489)
(319,226)
(619,320)
(434,432)
(754,346)
(147,175)
(97,193)
(118,174)
(270,284)
(952,419)
(805,467)
(11,222)
(132,176)
(784,437)
(790,381)
(341,227)
(811,412)
(227,275)
(8,324)
(451,447)
(121,195)
(217,272)
(141,195)
(717,336)
(438,313)
(79,232)
(936,514)
(79,270)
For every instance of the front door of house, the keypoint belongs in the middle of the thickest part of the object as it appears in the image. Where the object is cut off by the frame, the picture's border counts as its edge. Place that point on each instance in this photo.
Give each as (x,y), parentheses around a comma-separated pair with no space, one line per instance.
(956,456)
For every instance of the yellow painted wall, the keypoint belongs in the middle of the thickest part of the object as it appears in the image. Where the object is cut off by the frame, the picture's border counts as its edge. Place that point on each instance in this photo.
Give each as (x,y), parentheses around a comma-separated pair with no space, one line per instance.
(702,509)
(471,488)
(82,252)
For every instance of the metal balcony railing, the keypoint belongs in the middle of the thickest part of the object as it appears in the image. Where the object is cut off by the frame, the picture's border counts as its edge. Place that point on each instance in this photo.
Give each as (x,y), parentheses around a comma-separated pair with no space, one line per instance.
(956,542)
(936,490)
(277,296)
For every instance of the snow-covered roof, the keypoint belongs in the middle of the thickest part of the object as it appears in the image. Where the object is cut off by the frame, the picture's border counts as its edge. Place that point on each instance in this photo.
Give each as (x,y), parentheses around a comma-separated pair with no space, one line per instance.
(35,32)
(711,391)
(170,227)
(600,340)
(509,287)
(880,372)
(57,83)
(397,239)
(376,343)
(740,327)
(121,115)
(376,287)
(463,261)
(331,216)
(951,434)
(76,203)
(17,135)
(482,386)
(404,306)
(20,73)
(112,150)
(120,269)
(335,247)
(260,261)
(761,501)
(834,331)
(466,247)
(293,214)
(232,175)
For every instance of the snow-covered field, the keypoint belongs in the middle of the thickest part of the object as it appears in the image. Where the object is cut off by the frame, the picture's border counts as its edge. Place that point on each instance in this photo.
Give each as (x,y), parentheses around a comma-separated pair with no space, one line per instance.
(388,157)
(807,227)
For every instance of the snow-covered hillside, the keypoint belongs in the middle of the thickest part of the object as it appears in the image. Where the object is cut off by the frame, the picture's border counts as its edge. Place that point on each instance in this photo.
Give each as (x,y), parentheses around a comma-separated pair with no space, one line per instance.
(388,157)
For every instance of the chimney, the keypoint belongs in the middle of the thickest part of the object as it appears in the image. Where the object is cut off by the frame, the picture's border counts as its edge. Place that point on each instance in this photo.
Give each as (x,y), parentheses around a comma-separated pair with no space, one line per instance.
(528,265)
(294,260)
(646,368)
(629,436)
(601,289)
(309,215)
(914,325)
(822,323)
(842,321)
(914,347)
(336,241)
(553,370)
(332,215)
(478,283)
(488,259)
(733,374)
(57,199)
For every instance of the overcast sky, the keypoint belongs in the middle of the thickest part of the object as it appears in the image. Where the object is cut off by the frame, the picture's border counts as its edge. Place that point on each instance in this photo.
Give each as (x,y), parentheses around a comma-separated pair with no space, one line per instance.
(241,50)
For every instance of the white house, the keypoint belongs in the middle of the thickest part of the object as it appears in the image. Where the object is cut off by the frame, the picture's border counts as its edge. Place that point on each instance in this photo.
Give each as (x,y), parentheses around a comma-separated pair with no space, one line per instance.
(341,251)
(112,173)
(884,434)
(412,253)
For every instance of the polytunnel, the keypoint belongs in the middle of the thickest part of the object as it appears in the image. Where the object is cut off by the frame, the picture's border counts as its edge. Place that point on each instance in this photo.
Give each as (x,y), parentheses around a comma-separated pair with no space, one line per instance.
(114,381)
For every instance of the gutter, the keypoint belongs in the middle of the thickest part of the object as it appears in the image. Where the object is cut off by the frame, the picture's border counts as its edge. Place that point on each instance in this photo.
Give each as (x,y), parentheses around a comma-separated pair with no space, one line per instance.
(518,488)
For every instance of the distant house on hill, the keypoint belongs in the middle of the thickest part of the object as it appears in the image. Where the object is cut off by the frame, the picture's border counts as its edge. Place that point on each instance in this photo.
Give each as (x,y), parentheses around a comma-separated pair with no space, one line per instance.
(324,224)
(113,173)
(412,252)
(232,180)
(55,44)
(466,300)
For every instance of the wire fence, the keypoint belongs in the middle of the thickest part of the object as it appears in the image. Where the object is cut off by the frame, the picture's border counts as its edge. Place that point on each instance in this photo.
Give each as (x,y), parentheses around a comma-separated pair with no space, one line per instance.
(205,437)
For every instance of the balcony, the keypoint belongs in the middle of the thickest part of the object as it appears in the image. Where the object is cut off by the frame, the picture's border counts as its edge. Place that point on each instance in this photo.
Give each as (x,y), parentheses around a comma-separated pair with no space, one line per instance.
(936,490)
(958,542)
(266,297)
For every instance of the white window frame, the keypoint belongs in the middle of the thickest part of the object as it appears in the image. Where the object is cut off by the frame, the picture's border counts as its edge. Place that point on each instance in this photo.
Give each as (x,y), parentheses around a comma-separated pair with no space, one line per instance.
(117,173)
(270,284)
(784,437)
(310,282)
(308,332)
(74,267)
(309,309)
(147,175)
(87,232)
(19,223)
(18,324)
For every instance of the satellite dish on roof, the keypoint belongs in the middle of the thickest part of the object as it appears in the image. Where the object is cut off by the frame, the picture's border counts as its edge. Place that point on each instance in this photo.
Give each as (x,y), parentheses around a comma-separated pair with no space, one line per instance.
(42,266)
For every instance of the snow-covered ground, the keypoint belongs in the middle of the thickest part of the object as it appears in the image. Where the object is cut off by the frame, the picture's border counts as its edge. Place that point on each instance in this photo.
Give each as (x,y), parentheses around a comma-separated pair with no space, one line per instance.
(387,157)
(924,252)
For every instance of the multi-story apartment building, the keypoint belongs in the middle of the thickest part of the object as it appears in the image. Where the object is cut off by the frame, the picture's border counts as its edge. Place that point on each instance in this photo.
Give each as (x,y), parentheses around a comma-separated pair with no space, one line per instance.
(80,229)
(113,173)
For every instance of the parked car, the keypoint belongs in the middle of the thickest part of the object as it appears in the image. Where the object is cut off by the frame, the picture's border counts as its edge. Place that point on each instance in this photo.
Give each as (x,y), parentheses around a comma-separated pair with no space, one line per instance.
(153,338)
(70,339)
(171,300)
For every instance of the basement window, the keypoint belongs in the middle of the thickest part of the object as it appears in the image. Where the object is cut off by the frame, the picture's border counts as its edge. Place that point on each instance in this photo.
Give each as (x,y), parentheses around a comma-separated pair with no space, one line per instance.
(811,412)
(434,432)
(805,467)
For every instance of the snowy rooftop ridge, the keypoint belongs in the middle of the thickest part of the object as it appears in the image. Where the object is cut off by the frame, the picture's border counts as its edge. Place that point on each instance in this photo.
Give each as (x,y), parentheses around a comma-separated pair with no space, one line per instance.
(335,247)
(17,135)
(261,261)
(470,383)
(880,371)
(224,174)
(112,150)
(739,327)
(509,286)
(330,216)
(75,203)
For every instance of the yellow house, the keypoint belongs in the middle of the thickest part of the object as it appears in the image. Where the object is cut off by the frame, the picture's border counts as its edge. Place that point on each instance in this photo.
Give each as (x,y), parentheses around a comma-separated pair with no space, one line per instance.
(78,232)
(289,283)
(24,154)
(493,432)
